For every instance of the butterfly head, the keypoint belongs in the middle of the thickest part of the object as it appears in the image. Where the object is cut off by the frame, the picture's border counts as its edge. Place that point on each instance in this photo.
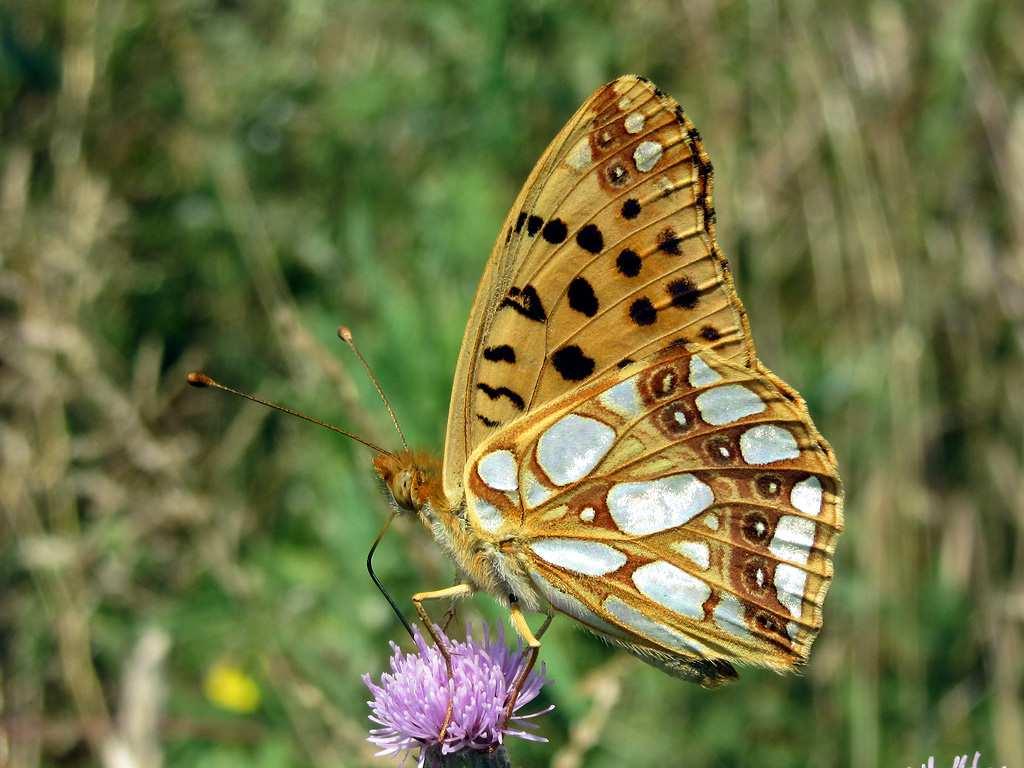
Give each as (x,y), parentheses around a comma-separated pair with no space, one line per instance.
(411,477)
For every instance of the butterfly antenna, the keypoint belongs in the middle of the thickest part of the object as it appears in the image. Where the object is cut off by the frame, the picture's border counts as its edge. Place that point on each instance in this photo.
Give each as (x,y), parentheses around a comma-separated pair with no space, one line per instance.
(346,335)
(202,380)
(383,591)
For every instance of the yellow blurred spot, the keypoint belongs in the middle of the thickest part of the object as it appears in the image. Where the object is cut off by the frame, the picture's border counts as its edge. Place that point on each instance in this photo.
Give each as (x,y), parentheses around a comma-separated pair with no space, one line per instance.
(230,688)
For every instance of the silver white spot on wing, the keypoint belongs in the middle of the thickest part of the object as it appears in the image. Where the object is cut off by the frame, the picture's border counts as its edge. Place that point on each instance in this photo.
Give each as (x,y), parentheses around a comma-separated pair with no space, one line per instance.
(653,630)
(766,443)
(789,587)
(647,155)
(791,629)
(488,516)
(587,514)
(591,558)
(701,374)
(711,521)
(634,123)
(724,405)
(535,493)
(673,588)
(623,398)
(793,539)
(624,103)
(571,606)
(696,552)
(499,471)
(665,185)
(649,506)
(571,447)
(729,616)
(580,155)
(806,496)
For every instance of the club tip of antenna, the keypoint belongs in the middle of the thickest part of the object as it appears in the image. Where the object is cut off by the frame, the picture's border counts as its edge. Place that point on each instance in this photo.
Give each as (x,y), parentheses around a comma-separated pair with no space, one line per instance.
(197,379)
(345,334)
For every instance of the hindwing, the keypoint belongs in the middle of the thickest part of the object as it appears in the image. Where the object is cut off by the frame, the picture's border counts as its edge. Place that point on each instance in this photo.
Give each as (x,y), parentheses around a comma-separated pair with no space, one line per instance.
(684,506)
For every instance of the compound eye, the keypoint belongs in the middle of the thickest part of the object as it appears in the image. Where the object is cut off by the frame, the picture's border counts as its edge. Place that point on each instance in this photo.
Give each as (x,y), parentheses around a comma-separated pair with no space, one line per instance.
(403,489)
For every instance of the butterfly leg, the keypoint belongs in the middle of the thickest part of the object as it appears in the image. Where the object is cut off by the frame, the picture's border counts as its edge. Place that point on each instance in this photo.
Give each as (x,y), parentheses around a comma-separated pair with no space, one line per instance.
(459,590)
(533,644)
(449,615)
(544,627)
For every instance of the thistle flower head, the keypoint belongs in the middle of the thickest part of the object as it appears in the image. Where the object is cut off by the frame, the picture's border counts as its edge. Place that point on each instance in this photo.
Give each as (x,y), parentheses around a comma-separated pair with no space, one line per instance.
(410,702)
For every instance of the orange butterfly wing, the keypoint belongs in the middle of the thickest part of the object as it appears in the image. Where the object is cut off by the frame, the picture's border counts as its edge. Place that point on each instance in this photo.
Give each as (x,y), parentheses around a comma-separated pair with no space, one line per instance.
(684,506)
(607,255)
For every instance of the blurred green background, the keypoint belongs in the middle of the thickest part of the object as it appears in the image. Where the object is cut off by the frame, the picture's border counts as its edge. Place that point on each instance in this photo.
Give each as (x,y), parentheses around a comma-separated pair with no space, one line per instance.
(193,183)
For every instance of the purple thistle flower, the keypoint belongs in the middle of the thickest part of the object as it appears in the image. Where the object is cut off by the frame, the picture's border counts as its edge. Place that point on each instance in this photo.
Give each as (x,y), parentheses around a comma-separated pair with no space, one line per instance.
(411,701)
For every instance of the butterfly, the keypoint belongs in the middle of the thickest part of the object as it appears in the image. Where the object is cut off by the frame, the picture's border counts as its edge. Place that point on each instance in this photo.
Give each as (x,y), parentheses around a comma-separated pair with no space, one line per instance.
(615,450)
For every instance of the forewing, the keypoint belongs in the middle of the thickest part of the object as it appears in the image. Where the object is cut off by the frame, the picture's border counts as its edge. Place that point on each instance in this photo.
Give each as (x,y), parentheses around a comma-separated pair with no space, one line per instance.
(684,504)
(607,255)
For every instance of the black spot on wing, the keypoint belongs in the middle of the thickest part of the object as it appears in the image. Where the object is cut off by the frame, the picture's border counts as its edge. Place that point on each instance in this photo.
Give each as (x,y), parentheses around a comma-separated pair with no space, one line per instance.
(642,311)
(581,297)
(519,221)
(722,261)
(669,242)
(533,225)
(572,364)
(502,353)
(684,293)
(631,208)
(710,333)
(720,448)
(756,527)
(624,362)
(526,302)
(590,239)
(628,263)
(555,231)
(498,392)
(673,421)
(704,171)
(488,422)
(617,174)
(768,485)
